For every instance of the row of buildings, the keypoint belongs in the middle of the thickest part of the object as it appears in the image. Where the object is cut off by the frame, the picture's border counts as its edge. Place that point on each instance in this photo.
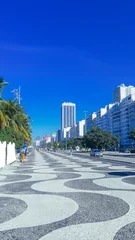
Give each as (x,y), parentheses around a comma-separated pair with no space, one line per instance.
(51,138)
(117,118)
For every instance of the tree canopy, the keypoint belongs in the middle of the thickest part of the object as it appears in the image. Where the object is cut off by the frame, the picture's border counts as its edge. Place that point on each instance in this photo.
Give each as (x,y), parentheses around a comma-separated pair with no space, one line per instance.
(97,138)
(14,123)
(132,134)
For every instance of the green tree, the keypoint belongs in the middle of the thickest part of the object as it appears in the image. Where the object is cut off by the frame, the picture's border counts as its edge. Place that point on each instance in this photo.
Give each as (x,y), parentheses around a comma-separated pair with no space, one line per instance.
(49,145)
(8,135)
(2,84)
(132,134)
(14,121)
(74,142)
(97,138)
(62,145)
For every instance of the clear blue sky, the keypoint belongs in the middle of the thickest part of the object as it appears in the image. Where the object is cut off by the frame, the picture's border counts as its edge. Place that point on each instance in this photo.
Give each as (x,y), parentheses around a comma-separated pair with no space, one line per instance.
(60,51)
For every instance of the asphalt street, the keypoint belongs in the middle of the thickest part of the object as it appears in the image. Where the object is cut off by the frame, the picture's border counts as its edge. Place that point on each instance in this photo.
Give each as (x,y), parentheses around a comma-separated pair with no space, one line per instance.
(55,196)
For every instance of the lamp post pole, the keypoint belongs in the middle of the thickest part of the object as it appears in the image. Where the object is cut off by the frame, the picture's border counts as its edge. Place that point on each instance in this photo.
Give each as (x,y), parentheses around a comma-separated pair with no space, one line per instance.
(85,112)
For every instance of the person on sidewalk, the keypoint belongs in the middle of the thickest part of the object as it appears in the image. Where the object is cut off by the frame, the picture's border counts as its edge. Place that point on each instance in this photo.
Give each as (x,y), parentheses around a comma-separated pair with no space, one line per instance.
(23,154)
(71,150)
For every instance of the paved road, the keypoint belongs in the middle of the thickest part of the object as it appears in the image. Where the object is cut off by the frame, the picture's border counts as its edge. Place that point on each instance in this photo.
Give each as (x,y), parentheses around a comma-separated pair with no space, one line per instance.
(59,197)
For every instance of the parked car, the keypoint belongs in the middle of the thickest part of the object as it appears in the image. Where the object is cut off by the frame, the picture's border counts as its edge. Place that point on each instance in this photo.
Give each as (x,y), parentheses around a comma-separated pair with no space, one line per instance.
(96,153)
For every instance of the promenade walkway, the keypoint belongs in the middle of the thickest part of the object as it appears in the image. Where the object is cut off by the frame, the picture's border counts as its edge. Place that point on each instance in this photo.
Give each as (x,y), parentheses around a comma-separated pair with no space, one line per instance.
(56,197)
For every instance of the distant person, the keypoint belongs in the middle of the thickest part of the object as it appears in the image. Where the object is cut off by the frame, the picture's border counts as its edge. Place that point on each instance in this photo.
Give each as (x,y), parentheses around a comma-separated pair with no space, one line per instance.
(71,151)
(23,154)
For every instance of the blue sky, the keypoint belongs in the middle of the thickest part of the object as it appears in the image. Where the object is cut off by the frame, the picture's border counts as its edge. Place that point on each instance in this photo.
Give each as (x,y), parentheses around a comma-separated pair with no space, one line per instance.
(60,51)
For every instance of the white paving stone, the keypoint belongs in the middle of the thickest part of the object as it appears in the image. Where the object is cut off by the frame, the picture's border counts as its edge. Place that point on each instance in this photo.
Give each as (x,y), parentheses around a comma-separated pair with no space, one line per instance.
(42,209)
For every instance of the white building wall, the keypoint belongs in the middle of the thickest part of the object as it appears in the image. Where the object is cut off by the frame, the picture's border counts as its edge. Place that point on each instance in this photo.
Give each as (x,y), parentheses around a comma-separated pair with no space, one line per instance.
(48,140)
(124,119)
(11,153)
(91,121)
(53,138)
(123,91)
(73,132)
(99,116)
(80,129)
(8,158)
(64,133)
(107,120)
(2,154)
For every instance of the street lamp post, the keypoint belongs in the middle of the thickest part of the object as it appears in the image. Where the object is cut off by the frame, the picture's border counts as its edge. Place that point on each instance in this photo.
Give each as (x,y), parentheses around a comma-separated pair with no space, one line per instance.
(85,112)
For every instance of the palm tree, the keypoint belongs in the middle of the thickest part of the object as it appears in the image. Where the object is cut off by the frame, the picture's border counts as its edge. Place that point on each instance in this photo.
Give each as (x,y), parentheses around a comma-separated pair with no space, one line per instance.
(12,115)
(2,84)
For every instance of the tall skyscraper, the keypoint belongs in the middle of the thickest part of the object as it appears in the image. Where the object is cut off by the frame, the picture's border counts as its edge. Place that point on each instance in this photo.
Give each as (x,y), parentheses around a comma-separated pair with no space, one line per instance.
(68,115)
(123,91)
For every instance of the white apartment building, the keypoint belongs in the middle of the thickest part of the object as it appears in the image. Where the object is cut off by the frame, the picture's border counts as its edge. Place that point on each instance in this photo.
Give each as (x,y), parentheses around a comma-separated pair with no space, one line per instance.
(77,131)
(91,121)
(123,91)
(73,132)
(48,139)
(99,117)
(127,119)
(107,119)
(80,129)
(64,134)
(53,137)
(36,143)
(116,120)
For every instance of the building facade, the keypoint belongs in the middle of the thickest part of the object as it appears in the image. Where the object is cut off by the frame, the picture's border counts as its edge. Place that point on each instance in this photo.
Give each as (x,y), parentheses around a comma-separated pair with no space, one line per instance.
(68,115)
(123,91)
(53,137)
(127,119)
(116,120)
(91,121)
(99,117)
(64,134)
(80,129)
(58,136)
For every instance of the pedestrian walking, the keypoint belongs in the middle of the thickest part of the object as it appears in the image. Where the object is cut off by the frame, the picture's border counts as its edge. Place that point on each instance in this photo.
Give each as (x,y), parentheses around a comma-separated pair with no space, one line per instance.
(23,154)
(71,150)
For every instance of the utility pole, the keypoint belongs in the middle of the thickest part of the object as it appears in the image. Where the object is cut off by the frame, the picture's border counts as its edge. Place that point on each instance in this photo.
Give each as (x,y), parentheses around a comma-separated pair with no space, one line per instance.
(85,112)
(17,94)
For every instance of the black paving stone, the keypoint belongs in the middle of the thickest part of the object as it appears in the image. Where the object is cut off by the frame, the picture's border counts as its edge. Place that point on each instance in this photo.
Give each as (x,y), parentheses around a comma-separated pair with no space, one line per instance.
(84,184)
(13,178)
(130,180)
(10,208)
(126,233)
(19,188)
(92,208)
(67,175)
(64,169)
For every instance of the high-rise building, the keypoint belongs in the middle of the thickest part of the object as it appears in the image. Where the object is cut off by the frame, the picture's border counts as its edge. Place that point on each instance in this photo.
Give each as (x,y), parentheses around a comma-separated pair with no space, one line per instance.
(123,91)
(58,135)
(68,115)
